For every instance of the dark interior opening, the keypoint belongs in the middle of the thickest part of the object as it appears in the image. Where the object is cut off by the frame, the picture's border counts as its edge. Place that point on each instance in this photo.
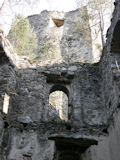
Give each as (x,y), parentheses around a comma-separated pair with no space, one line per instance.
(71,148)
(68,151)
(115,44)
(69,155)
(52,78)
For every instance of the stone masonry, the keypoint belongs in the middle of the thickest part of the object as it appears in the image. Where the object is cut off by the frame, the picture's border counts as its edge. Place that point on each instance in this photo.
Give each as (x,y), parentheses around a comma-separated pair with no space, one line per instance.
(92,131)
(60,36)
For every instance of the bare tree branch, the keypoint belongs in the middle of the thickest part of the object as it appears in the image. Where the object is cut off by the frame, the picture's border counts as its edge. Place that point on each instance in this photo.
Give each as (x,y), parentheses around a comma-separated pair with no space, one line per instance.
(2,5)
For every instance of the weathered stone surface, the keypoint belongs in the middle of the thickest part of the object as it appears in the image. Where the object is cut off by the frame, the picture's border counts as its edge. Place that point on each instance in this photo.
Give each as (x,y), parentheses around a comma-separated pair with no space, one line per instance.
(108,148)
(29,145)
(92,130)
(66,43)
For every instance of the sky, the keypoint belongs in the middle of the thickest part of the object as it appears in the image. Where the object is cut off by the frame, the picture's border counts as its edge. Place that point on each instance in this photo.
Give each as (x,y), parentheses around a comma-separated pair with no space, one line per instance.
(59,5)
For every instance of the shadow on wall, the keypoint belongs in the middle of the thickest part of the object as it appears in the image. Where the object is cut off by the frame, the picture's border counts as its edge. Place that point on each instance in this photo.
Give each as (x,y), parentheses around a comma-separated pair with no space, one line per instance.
(115,48)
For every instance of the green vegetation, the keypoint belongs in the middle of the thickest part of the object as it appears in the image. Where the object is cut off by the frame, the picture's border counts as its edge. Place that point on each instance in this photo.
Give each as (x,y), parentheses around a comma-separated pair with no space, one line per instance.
(45,49)
(46,52)
(22,37)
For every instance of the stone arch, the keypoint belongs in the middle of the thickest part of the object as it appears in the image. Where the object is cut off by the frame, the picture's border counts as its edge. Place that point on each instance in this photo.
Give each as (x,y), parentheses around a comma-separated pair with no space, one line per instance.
(59,102)
(60,88)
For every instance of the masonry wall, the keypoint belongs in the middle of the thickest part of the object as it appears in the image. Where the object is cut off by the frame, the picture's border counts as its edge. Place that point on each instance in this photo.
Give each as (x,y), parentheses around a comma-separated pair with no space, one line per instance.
(65,43)
(108,147)
(29,126)
(7,86)
(82,83)
(29,121)
(28,132)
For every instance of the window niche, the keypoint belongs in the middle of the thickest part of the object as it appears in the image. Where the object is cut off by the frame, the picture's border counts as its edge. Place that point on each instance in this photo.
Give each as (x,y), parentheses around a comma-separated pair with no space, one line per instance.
(58,103)
(58,22)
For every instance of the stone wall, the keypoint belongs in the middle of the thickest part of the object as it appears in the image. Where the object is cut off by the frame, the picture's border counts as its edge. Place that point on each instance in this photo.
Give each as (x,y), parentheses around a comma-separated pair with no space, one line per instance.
(82,83)
(29,109)
(92,129)
(108,148)
(29,89)
(7,86)
(68,42)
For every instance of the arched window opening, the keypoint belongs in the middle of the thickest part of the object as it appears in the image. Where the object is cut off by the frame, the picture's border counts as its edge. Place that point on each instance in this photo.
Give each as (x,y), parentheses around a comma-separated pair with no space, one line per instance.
(6,103)
(58,102)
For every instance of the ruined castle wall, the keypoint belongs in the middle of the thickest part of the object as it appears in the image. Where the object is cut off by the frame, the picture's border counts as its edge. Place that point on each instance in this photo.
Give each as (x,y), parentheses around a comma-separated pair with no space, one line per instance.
(109,84)
(30,124)
(33,88)
(7,86)
(68,42)
(87,96)
(30,88)
(108,147)
(30,145)
(93,97)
